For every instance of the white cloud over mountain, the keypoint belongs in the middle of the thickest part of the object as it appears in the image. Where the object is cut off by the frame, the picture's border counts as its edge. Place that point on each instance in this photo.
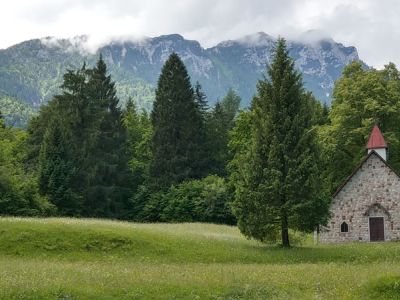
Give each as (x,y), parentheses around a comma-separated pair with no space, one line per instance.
(372,26)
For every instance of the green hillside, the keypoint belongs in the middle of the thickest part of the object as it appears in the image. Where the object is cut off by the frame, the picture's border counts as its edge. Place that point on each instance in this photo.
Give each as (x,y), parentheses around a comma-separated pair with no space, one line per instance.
(16,113)
(32,71)
(95,259)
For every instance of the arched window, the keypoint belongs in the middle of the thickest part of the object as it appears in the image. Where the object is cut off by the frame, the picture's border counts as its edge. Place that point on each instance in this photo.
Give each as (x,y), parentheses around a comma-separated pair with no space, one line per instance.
(344,227)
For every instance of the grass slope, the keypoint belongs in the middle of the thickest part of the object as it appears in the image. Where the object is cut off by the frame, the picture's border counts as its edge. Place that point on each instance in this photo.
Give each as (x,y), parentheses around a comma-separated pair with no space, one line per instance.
(96,259)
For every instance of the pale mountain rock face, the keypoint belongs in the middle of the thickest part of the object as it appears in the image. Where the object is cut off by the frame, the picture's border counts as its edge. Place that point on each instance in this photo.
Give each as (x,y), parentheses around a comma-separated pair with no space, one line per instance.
(32,71)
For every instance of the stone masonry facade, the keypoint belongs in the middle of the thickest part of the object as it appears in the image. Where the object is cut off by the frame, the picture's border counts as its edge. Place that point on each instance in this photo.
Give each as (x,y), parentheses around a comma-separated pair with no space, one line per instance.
(372,191)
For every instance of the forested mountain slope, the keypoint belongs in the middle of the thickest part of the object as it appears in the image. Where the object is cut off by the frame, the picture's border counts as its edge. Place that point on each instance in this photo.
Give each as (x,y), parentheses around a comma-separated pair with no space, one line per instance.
(31,71)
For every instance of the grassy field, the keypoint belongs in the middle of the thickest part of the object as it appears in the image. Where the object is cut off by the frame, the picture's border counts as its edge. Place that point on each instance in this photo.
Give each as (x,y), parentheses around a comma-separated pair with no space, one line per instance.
(96,259)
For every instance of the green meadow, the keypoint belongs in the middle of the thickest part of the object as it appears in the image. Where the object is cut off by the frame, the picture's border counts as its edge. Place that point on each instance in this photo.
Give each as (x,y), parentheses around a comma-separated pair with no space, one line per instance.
(62,258)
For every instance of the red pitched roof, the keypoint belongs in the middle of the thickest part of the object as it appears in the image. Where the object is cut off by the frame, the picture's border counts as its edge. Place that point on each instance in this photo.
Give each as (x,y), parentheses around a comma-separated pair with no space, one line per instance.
(376,139)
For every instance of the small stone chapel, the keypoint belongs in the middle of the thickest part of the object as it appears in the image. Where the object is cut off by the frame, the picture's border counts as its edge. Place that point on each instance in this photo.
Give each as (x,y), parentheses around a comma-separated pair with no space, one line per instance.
(366,207)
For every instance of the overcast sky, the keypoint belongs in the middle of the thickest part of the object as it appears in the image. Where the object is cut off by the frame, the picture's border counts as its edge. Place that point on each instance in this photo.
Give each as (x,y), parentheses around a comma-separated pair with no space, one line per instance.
(373,26)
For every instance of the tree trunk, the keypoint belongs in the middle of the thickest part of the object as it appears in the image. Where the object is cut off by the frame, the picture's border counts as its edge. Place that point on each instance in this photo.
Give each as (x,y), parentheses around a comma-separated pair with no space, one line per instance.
(285,231)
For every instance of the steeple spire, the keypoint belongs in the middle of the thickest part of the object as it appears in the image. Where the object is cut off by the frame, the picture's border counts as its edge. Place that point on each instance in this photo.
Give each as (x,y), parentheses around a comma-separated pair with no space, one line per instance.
(377,142)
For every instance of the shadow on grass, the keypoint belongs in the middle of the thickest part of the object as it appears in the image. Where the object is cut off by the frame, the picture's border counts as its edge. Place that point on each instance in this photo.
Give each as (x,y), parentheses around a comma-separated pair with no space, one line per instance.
(354,253)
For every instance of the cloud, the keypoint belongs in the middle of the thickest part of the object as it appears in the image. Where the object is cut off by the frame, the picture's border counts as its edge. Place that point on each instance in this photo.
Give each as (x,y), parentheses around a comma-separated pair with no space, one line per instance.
(370,25)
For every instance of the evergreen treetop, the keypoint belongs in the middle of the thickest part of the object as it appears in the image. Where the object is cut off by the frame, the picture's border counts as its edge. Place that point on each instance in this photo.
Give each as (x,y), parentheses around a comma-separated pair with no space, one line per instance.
(177,141)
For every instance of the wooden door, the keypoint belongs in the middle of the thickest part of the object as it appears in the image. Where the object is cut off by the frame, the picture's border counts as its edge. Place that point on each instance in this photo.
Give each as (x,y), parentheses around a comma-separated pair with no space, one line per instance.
(376,229)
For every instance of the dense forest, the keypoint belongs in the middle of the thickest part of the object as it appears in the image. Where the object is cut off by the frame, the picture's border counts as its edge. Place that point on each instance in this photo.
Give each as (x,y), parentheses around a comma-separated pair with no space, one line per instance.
(269,168)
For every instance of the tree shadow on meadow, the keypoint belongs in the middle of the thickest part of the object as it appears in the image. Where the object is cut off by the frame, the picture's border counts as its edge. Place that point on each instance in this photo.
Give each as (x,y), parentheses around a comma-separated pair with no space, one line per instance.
(355,253)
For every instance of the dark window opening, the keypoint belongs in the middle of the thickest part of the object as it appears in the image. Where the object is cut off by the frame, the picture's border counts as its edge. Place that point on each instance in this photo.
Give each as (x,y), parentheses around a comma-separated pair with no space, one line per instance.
(344,227)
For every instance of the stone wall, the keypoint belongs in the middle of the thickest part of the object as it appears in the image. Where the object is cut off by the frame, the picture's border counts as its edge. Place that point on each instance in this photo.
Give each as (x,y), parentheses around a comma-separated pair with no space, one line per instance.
(373,191)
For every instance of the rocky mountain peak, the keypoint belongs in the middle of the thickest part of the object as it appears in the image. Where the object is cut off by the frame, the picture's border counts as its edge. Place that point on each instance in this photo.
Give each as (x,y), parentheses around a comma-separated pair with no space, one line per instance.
(135,64)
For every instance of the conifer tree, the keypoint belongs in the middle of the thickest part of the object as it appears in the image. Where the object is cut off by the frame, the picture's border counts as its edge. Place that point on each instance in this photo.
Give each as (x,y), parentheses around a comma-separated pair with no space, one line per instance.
(203,162)
(139,131)
(325,113)
(2,122)
(60,134)
(230,105)
(201,100)
(176,121)
(107,162)
(220,122)
(93,139)
(57,172)
(276,189)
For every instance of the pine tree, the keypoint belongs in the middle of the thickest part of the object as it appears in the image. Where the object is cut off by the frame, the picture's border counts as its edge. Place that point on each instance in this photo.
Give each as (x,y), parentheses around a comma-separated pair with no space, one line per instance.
(218,140)
(93,139)
(203,162)
(220,123)
(139,133)
(276,190)
(325,112)
(201,100)
(107,162)
(57,171)
(230,105)
(176,121)
(2,122)
(58,143)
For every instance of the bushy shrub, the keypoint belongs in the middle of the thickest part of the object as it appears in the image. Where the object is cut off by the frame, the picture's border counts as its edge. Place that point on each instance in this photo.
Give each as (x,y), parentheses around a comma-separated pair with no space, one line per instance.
(19,196)
(205,200)
(19,192)
(153,208)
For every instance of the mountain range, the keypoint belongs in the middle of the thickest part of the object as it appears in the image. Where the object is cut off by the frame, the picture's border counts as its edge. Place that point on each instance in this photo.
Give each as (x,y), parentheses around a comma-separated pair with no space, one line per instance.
(31,72)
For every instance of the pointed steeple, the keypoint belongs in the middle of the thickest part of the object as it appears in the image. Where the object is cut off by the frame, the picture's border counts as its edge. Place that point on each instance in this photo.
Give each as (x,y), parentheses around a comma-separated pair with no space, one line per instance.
(377,142)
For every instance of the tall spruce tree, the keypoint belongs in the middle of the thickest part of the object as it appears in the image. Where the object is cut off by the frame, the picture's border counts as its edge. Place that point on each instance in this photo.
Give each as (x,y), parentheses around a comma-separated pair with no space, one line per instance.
(276,187)
(139,132)
(2,122)
(88,148)
(203,162)
(57,172)
(107,162)
(230,105)
(177,122)
(220,123)
(59,137)
(201,100)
